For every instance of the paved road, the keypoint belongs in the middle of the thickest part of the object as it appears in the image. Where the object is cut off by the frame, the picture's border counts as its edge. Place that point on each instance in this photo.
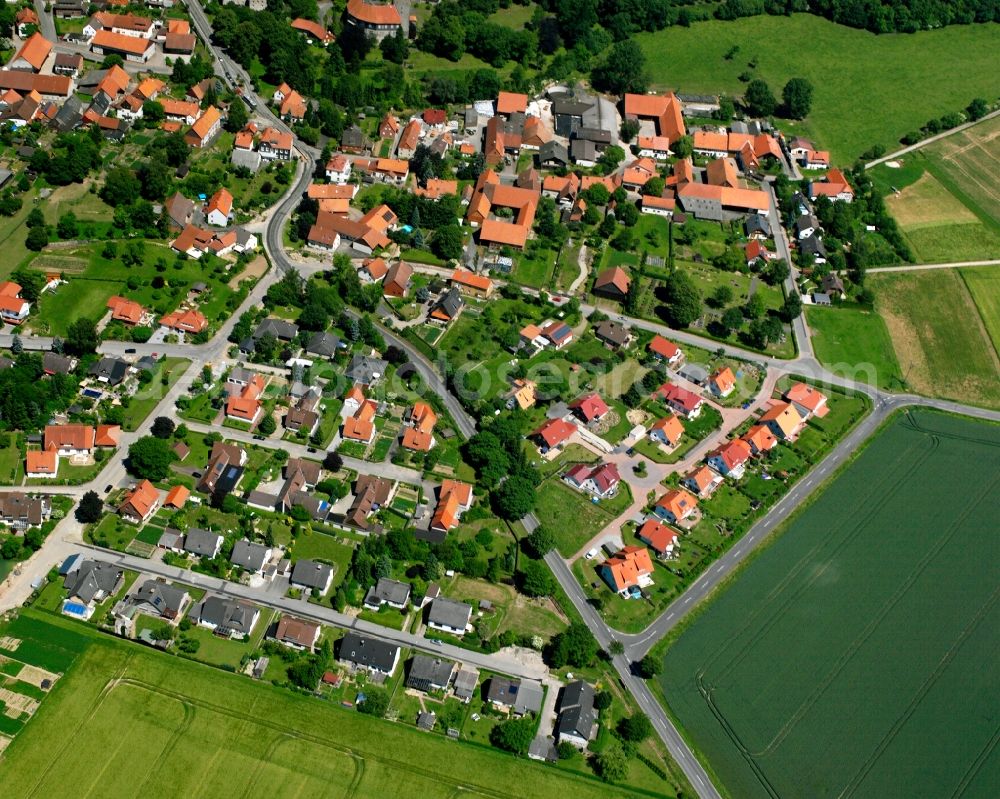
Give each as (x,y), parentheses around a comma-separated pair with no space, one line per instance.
(931,140)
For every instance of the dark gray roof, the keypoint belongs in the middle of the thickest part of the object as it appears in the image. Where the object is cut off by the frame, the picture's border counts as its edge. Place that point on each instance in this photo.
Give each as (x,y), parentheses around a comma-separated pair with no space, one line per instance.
(279,328)
(367,651)
(365,370)
(56,363)
(465,682)
(311,574)
(227,615)
(92,578)
(70,115)
(428,671)
(805,222)
(164,599)
(449,613)
(241,375)
(567,106)
(596,135)
(248,555)
(203,543)
(110,368)
(354,137)
(612,331)
(757,223)
(450,302)
(812,245)
(324,344)
(576,710)
(387,590)
(553,151)
(583,150)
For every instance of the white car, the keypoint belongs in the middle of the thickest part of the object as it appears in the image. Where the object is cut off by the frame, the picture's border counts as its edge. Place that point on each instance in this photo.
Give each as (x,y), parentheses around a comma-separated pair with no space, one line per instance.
(592,554)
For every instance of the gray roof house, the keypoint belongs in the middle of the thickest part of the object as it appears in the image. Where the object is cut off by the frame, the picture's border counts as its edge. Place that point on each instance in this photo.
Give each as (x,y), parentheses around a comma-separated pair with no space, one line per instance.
(203,543)
(576,714)
(450,303)
(323,344)
(583,151)
(246,158)
(449,615)
(757,225)
(279,328)
(228,617)
(93,581)
(250,556)
(109,369)
(364,652)
(156,597)
(388,592)
(365,369)
(312,575)
(552,154)
(520,696)
(613,333)
(466,681)
(429,674)
(55,364)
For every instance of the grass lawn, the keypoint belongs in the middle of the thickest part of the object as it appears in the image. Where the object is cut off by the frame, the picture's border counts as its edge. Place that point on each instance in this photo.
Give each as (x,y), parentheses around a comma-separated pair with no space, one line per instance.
(219,651)
(11,460)
(855,342)
(861,81)
(326,548)
(195,717)
(570,515)
(875,550)
(942,354)
(147,397)
(535,270)
(983,283)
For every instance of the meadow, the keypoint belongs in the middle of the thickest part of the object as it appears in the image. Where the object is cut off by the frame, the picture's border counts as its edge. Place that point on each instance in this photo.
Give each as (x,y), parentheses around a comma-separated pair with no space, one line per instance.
(847,337)
(868,89)
(938,333)
(128,722)
(856,654)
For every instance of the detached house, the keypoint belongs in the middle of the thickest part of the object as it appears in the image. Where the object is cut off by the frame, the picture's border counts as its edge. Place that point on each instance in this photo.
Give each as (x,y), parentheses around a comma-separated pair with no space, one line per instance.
(667,431)
(665,351)
(702,481)
(13,309)
(807,400)
(454,497)
(553,433)
(627,570)
(658,537)
(722,382)
(783,420)
(140,503)
(680,400)
(675,506)
(601,480)
(590,408)
(730,459)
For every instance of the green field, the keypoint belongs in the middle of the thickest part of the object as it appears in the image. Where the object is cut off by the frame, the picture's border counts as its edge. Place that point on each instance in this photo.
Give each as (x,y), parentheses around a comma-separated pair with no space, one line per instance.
(941,343)
(856,656)
(983,283)
(848,337)
(128,722)
(868,89)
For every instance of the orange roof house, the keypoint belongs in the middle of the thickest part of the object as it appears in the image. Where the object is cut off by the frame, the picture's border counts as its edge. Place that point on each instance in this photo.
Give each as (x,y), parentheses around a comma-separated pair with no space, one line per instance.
(807,400)
(219,208)
(511,103)
(32,54)
(730,459)
(760,438)
(453,498)
(667,430)
(140,503)
(373,16)
(176,497)
(783,420)
(293,106)
(246,406)
(437,188)
(470,283)
(701,480)
(665,109)
(627,569)
(665,350)
(613,282)
(178,26)
(135,46)
(68,439)
(658,536)
(361,426)
(554,432)
(419,436)
(722,382)
(722,172)
(313,29)
(41,463)
(189,321)
(204,128)
(149,88)
(107,435)
(675,505)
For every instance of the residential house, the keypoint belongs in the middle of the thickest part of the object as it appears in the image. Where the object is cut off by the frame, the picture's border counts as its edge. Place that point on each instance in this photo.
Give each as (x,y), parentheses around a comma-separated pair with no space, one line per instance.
(667,431)
(702,481)
(370,495)
(202,543)
(600,480)
(109,369)
(807,400)
(449,615)
(757,226)
(612,283)
(409,139)
(377,20)
(577,721)
(388,127)
(32,55)
(665,351)
(613,334)
(756,254)
(806,226)
(39,463)
(324,345)
(219,208)
(361,426)
(365,370)
(205,128)
(783,420)
(55,364)
(558,334)
(418,435)
(553,433)
(275,144)
(125,310)
(397,279)
(454,497)
(430,674)
(760,439)
(590,407)
(296,633)
(224,469)
(388,592)
(91,582)
(366,653)
(834,185)
(730,459)
(722,382)
(516,696)
(69,440)
(675,505)
(665,110)
(466,681)
(658,537)
(523,394)
(447,307)
(628,570)
(657,206)
(159,599)
(246,406)
(227,618)
(338,169)
(680,400)
(311,576)
(19,511)
(312,30)
(13,308)
(471,284)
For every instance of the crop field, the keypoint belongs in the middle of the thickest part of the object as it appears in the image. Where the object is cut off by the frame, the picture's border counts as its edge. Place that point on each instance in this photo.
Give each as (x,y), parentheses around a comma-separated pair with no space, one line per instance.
(863,83)
(937,331)
(856,655)
(130,722)
(983,283)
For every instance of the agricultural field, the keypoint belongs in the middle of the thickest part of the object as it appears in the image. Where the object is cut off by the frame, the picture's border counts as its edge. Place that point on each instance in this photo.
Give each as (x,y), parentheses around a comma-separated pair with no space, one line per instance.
(861,80)
(877,596)
(849,340)
(937,329)
(949,211)
(122,711)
